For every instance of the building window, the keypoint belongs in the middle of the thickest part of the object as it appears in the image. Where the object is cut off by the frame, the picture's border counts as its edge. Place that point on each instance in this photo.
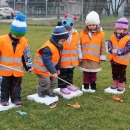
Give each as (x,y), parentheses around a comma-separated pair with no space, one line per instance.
(62,8)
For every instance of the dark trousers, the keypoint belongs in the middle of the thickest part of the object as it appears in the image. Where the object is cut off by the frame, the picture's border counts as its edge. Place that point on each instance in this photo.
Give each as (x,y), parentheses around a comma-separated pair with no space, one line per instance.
(10,86)
(67,75)
(119,72)
(89,77)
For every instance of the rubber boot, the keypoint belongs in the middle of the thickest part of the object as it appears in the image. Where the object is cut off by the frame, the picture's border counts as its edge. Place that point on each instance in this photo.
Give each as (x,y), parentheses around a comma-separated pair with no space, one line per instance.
(115,84)
(72,88)
(93,86)
(121,86)
(86,86)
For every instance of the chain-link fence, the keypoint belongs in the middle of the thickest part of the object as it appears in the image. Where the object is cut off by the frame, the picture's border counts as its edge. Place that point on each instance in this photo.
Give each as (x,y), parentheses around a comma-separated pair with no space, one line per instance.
(46,9)
(43,7)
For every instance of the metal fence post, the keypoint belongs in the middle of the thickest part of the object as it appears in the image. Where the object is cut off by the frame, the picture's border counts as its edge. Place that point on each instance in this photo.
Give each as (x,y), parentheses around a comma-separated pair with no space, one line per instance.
(46,12)
(14,5)
(82,12)
(26,8)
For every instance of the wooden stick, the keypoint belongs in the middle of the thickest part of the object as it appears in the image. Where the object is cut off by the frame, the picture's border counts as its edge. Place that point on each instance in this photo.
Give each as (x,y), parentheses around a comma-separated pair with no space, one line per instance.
(11,68)
(67,82)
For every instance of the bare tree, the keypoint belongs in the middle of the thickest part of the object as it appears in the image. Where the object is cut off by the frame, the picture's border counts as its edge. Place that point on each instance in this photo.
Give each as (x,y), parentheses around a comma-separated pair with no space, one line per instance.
(115,5)
(96,5)
(57,5)
(107,7)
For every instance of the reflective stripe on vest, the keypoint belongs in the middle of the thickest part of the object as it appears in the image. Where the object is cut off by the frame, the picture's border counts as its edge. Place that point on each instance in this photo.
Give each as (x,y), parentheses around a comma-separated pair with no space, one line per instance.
(69,55)
(9,58)
(39,67)
(17,60)
(9,69)
(123,59)
(91,47)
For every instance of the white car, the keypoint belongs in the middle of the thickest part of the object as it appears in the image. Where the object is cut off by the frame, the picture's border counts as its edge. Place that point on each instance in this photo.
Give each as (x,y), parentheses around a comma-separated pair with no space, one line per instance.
(4,13)
(13,12)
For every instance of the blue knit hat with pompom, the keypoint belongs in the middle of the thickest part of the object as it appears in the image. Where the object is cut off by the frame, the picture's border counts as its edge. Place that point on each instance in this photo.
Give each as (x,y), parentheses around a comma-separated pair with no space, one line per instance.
(59,32)
(19,26)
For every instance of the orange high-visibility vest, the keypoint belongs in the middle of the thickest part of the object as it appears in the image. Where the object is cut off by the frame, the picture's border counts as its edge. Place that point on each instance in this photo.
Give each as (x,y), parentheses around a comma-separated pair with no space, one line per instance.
(39,67)
(9,58)
(69,55)
(91,46)
(123,59)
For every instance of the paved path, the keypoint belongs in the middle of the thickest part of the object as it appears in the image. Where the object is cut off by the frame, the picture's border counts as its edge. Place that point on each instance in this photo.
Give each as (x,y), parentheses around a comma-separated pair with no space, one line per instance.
(10,20)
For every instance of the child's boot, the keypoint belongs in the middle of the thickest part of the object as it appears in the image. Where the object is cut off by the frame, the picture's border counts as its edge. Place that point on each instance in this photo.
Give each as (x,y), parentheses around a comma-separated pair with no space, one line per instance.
(65,91)
(121,86)
(93,86)
(42,94)
(72,88)
(18,103)
(86,86)
(51,94)
(4,103)
(115,84)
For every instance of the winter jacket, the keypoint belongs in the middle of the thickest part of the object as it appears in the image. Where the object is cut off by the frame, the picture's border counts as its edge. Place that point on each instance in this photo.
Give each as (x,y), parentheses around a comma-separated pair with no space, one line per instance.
(123,41)
(46,59)
(93,49)
(11,53)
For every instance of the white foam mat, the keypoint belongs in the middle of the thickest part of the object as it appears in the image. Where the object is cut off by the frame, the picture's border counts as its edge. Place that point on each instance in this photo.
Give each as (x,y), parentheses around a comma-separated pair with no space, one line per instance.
(87,90)
(73,94)
(10,106)
(45,100)
(114,91)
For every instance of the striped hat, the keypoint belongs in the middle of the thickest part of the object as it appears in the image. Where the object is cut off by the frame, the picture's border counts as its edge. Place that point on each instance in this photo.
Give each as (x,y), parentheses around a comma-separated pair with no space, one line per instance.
(122,23)
(19,26)
(59,32)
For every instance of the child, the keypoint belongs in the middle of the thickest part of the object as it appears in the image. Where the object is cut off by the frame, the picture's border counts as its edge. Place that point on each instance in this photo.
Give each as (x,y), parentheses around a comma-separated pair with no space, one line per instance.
(71,55)
(14,53)
(93,49)
(46,61)
(119,48)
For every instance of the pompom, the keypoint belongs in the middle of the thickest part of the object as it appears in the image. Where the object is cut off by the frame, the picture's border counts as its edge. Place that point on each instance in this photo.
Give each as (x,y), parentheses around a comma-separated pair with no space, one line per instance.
(75,17)
(21,17)
(65,15)
(59,23)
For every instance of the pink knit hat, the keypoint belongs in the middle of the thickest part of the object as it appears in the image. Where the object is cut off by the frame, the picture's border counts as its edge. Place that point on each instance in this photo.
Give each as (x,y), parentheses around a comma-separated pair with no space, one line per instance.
(122,23)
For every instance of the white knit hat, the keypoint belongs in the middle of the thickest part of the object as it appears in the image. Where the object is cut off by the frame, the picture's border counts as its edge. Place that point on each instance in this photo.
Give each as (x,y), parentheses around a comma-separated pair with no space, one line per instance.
(92,18)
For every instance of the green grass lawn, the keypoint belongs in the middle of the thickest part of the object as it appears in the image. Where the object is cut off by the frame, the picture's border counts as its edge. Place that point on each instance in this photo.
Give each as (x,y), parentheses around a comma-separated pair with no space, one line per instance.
(98,111)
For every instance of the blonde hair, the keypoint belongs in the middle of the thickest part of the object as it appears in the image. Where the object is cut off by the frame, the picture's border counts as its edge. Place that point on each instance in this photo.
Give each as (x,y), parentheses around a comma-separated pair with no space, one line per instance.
(86,29)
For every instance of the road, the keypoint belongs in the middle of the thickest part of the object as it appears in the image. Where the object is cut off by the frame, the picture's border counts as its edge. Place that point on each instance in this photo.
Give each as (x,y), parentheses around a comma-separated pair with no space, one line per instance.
(10,20)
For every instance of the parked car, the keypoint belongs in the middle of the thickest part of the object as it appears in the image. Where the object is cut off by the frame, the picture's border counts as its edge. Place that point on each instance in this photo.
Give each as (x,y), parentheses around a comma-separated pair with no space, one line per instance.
(11,11)
(4,13)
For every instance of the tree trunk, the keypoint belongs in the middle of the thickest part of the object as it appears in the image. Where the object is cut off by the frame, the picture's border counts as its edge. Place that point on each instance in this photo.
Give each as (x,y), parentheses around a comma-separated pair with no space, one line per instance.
(58,10)
(115,14)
